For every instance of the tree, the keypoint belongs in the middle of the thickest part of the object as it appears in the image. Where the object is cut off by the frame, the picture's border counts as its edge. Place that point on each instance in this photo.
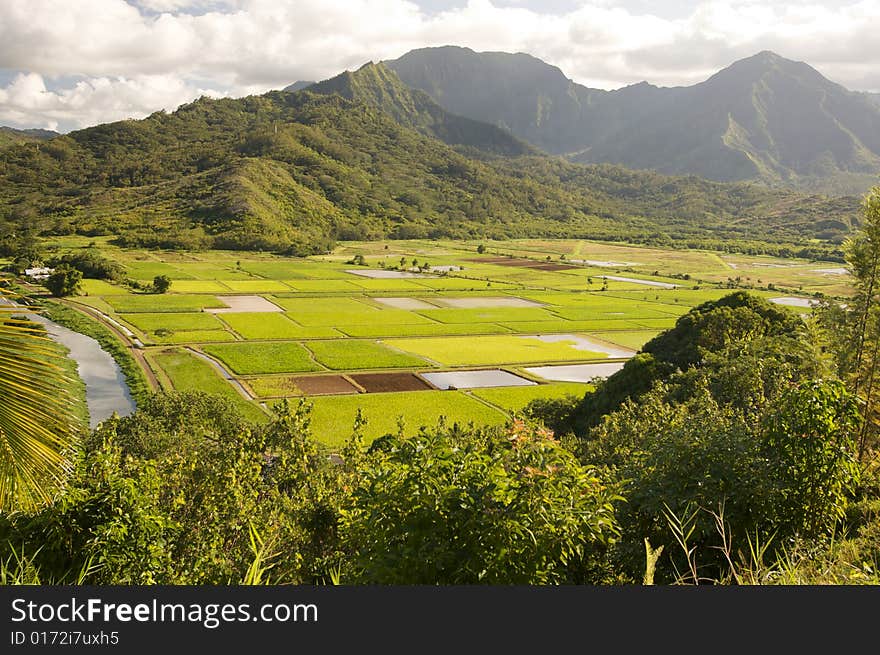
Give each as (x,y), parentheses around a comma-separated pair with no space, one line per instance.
(38,423)
(64,281)
(466,506)
(161,283)
(855,327)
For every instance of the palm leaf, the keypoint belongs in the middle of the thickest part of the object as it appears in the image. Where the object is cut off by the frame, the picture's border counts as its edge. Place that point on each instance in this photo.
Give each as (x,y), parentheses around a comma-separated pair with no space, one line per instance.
(38,422)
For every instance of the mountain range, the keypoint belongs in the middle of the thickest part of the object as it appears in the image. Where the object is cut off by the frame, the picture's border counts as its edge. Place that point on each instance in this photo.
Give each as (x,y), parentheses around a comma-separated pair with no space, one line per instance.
(365,156)
(764,118)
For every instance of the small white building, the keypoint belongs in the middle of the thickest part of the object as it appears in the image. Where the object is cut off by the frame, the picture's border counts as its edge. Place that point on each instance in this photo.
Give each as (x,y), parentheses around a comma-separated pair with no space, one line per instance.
(38,273)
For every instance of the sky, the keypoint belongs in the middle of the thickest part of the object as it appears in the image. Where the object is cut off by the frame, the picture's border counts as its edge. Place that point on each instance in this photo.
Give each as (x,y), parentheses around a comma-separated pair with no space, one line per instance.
(68,64)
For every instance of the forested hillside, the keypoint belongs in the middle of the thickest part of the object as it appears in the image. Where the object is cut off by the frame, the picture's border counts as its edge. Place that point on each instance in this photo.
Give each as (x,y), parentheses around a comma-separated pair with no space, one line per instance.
(291,172)
(10,136)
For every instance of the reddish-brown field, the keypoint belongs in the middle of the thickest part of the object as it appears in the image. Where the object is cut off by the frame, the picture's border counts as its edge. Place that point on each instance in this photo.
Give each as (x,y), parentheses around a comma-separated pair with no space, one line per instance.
(322,385)
(382,382)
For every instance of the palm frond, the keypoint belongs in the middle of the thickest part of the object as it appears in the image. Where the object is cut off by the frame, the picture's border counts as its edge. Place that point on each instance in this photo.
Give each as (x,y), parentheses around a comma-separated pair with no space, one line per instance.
(38,421)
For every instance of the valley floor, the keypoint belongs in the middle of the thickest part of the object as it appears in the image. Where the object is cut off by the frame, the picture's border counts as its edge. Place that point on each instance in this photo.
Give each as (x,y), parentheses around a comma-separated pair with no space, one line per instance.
(414,330)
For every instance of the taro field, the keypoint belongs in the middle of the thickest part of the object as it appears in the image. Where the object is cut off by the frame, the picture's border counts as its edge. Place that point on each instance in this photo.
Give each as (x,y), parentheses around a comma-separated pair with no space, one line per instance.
(416,330)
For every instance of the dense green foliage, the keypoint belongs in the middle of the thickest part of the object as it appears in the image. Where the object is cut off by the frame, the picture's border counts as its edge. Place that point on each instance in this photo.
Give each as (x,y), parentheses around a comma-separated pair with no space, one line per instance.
(738,325)
(463,507)
(10,136)
(855,326)
(64,281)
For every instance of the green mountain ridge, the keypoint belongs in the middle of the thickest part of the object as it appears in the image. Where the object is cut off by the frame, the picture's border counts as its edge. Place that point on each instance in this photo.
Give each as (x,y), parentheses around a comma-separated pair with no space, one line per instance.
(292,172)
(764,118)
(378,86)
(10,136)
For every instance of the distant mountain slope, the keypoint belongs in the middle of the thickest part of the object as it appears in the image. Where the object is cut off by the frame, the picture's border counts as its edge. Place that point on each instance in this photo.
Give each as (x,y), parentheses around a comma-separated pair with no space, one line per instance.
(764,118)
(10,135)
(292,172)
(299,85)
(378,86)
(532,99)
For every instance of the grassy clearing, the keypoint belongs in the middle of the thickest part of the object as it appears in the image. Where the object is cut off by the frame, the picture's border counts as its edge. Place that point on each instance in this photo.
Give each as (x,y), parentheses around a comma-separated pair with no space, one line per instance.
(426,330)
(154,302)
(488,315)
(189,373)
(628,339)
(351,354)
(93,301)
(149,270)
(333,416)
(255,358)
(150,322)
(101,288)
(514,399)
(268,325)
(493,350)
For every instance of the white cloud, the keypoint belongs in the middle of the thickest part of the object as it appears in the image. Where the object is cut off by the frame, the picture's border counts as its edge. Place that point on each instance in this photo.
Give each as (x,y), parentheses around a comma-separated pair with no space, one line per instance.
(143,55)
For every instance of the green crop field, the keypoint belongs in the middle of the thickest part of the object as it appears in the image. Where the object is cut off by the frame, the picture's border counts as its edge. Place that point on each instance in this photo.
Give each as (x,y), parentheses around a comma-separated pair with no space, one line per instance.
(199,286)
(515,399)
(149,302)
(488,315)
(333,416)
(149,270)
(256,286)
(327,286)
(616,310)
(351,354)
(563,325)
(493,350)
(269,325)
(333,319)
(189,373)
(425,330)
(258,357)
(193,336)
(150,322)
(100,288)
(634,339)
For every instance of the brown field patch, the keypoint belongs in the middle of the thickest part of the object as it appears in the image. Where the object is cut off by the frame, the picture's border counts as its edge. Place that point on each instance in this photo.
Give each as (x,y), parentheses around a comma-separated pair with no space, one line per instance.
(555,267)
(380,382)
(323,385)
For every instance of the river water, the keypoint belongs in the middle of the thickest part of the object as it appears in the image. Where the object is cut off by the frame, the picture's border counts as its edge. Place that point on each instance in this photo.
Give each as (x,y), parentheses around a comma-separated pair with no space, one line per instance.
(106,389)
